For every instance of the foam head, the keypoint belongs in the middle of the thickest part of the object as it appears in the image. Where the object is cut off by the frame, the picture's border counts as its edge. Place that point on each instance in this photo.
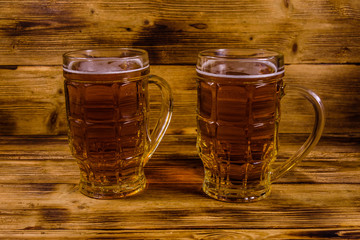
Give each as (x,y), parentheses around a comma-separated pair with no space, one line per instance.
(105,61)
(240,63)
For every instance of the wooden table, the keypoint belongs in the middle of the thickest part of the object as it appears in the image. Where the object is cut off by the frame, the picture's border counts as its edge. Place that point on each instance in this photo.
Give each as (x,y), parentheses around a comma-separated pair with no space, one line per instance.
(39,197)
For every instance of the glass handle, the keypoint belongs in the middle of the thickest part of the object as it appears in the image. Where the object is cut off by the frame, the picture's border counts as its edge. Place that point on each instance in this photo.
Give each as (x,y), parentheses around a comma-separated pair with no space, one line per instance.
(314,137)
(165,115)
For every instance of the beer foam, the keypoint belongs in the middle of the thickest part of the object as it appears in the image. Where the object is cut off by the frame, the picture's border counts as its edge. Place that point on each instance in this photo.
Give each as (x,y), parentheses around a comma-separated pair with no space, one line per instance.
(223,68)
(105,66)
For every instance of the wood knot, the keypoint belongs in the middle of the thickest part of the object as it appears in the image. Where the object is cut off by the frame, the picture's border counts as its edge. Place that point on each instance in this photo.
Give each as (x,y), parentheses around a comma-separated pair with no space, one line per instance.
(287,3)
(52,120)
(294,47)
(199,25)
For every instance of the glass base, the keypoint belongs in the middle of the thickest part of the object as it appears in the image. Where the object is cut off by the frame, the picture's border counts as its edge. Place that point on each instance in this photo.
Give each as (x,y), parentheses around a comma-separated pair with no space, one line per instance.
(234,193)
(121,190)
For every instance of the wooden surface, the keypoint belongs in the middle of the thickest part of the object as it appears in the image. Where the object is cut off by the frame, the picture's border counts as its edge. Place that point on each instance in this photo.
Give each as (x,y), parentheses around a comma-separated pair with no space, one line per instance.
(312,31)
(32,98)
(39,198)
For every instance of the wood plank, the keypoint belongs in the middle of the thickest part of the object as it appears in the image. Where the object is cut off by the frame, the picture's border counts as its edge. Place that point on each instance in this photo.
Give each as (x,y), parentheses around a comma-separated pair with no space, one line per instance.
(199,234)
(38,32)
(32,99)
(178,206)
(48,161)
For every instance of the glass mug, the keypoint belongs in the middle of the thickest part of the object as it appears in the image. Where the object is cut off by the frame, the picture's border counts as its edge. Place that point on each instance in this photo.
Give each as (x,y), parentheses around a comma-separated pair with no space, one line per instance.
(238,115)
(107,107)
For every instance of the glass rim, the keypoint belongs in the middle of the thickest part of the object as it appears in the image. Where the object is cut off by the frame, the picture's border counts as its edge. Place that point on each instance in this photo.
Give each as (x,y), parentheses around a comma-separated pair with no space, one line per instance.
(240,53)
(259,76)
(71,54)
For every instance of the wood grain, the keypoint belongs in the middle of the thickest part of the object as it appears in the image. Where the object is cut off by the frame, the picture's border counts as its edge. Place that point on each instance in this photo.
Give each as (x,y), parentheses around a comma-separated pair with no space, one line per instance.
(48,161)
(297,233)
(32,99)
(174,207)
(39,197)
(38,32)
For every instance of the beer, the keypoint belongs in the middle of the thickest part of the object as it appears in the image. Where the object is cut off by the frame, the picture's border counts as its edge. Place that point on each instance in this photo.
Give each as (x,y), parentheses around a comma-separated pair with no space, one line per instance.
(238,114)
(107,125)
(107,104)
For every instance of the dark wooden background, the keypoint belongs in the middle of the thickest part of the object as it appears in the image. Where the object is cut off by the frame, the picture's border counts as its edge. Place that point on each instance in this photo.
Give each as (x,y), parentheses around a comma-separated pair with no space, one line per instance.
(321,43)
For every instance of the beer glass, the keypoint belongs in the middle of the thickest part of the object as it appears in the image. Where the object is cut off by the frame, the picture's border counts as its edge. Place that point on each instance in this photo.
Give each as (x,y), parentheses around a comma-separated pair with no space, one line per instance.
(238,116)
(107,107)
